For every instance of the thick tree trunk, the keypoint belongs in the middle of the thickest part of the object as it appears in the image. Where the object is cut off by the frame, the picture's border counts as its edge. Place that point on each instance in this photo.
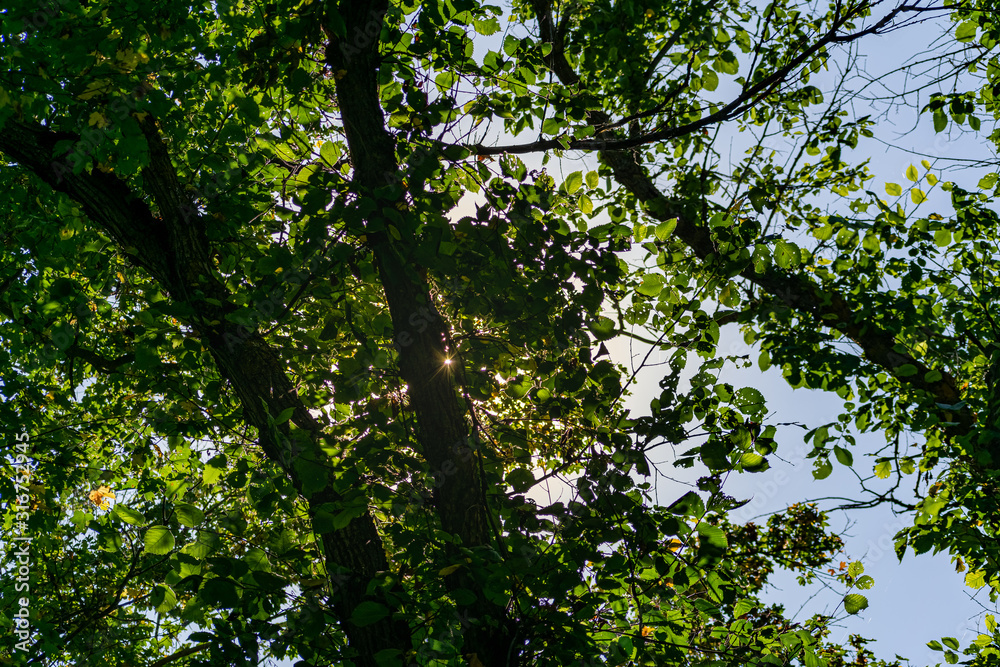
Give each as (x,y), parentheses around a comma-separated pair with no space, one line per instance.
(175,251)
(421,332)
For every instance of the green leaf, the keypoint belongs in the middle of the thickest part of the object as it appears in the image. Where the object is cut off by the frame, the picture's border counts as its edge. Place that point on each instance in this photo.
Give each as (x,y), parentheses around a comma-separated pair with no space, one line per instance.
(754,462)
(940,120)
(129,515)
(220,592)
(942,238)
(189,515)
(883,469)
(330,152)
(690,504)
(203,546)
(712,535)
(510,44)
(585,204)
(593,178)
(486,27)
(665,229)
(163,598)
(917,196)
(855,569)
(652,285)
(786,255)
(854,603)
(966,32)
(391,657)
(520,479)
(893,189)
(764,361)
(158,540)
(335,22)
(822,468)
(603,328)
(713,455)
(912,174)
(553,126)
(709,80)
(871,243)
(519,387)
(843,455)
(749,401)
(368,612)
(256,560)
(743,607)
(951,643)
(285,415)
(864,583)
(574,181)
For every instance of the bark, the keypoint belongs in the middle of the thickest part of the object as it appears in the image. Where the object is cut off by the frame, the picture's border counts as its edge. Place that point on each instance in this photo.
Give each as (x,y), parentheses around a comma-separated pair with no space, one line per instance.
(174,248)
(445,431)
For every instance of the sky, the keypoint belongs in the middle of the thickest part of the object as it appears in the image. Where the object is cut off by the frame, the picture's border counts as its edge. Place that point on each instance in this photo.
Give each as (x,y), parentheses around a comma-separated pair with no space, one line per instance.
(921,598)
(912,602)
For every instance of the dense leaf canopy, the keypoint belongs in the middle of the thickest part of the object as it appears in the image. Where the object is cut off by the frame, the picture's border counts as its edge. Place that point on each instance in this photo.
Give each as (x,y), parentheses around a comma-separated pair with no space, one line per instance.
(302,302)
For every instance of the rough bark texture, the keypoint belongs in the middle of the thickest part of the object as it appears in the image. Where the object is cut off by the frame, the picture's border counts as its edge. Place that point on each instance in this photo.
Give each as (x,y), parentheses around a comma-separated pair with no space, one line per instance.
(420,330)
(174,249)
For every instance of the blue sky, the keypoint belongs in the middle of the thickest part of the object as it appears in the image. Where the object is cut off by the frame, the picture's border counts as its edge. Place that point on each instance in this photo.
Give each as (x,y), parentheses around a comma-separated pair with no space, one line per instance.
(922,598)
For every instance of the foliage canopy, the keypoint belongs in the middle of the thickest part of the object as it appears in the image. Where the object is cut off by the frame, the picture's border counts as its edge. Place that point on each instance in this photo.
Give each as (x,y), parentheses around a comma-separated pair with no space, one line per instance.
(295,321)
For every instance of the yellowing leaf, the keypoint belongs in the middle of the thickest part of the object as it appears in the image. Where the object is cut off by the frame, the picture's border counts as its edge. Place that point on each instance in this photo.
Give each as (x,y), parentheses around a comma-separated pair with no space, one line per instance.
(445,571)
(975,580)
(912,174)
(95,88)
(893,189)
(918,196)
(883,470)
(100,495)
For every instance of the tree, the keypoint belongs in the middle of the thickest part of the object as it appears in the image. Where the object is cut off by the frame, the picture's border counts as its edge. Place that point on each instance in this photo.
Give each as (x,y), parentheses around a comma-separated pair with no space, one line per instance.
(277,285)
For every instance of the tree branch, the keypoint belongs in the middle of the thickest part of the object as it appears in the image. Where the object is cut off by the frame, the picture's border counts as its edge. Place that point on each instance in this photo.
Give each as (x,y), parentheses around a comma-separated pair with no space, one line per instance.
(826,307)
